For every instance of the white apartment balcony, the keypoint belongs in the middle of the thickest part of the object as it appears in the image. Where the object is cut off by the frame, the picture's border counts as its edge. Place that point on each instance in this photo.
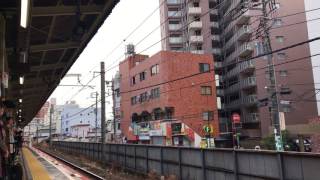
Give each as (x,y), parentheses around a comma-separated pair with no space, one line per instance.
(195,25)
(248,82)
(251,118)
(174,14)
(194,11)
(242,67)
(173,2)
(196,39)
(175,27)
(250,100)
(244,18)
(245,49)
(175,40)
(197,51)
(216,51)
(214,24)
(247,66)
(244,33)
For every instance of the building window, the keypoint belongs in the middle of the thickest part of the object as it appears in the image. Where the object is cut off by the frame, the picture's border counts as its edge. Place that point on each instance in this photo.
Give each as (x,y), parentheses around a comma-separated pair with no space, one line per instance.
(204,67)
(283,73)
(285,105)
(206,90)
(282,56)
(142,76)
(155,93)
(133,80)
(285,90)
(117,92)
(143,97)
(277,22)
(280,39)
(154,69)
(133,100)
(197,32)
(198,47)
(207,115)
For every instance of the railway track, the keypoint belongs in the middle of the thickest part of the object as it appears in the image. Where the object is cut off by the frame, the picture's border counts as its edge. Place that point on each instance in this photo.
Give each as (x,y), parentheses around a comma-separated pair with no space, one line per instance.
(87,173)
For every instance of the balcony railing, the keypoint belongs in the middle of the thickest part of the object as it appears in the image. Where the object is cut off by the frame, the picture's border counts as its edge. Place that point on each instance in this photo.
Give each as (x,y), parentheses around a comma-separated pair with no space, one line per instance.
(244,18)
(175,27)
(175,40)
(173,2)
(194,10)
(197,51)
(214,24)
(242,67)
(196,39)
(233,88)
(248,82)
(250,100)
(234,104)
(195,25)
(243,33)
(251,118)
(247,66)
(245,49)
(214,12)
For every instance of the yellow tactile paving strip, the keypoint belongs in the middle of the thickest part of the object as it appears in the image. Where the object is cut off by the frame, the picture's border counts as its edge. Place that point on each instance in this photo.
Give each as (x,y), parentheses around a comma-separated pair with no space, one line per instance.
(37,170)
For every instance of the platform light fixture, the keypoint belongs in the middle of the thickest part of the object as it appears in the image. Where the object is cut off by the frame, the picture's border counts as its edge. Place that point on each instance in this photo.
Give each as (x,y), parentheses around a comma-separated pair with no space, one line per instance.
(21,80)
(24,13)
(20,110)
(20,100)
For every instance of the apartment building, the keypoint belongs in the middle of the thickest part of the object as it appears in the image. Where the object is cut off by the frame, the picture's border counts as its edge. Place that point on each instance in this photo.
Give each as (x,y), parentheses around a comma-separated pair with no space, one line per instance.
(156,108)
(228,29)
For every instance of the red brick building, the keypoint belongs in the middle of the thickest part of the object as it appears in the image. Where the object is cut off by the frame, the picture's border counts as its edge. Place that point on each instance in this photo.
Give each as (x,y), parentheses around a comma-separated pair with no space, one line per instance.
(168,98)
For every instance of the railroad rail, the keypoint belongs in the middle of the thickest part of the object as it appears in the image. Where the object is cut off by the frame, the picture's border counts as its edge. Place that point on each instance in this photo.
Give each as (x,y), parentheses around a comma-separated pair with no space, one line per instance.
(73,166)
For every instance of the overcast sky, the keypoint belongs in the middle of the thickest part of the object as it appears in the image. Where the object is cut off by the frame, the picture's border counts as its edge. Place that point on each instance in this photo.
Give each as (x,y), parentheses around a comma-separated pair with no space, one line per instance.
(126,16)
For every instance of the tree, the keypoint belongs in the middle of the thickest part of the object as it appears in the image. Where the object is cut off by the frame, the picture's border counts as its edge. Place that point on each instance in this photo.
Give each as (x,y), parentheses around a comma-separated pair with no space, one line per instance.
(269,142)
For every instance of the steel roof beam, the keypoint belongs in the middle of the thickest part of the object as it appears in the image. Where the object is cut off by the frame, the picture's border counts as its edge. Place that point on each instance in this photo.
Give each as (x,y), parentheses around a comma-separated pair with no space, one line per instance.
(65,10)
(53,46)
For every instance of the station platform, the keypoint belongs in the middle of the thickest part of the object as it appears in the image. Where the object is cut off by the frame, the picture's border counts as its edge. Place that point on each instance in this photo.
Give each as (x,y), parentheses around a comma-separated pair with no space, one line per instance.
(40,166)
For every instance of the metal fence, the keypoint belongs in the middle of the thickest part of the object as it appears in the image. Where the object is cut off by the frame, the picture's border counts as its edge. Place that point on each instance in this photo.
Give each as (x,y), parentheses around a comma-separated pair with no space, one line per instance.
(202,164)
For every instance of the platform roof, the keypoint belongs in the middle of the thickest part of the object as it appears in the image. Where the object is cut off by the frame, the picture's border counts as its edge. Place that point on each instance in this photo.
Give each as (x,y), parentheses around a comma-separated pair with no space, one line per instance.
(57,33)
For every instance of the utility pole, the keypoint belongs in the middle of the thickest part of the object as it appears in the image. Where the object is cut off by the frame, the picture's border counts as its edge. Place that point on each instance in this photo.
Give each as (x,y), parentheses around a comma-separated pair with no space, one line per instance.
(96,113)
(113,110)
(103,109)
(50,125)
(272,89)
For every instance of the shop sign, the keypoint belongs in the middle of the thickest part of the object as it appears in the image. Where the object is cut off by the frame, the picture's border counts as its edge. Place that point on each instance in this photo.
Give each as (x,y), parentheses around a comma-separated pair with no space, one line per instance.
(157,132)
(143,137)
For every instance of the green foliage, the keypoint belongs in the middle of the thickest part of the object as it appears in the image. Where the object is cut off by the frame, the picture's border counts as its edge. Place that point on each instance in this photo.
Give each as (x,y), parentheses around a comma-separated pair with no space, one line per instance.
(269,142)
